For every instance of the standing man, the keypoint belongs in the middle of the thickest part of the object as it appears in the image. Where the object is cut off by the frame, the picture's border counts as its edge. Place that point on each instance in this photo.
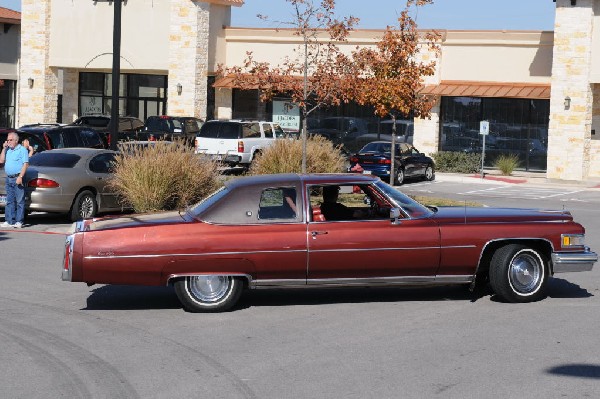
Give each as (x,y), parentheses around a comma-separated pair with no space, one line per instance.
(15,159)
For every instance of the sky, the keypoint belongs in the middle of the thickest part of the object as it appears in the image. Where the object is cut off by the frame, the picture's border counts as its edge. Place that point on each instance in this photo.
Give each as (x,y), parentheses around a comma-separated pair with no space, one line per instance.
(443,14)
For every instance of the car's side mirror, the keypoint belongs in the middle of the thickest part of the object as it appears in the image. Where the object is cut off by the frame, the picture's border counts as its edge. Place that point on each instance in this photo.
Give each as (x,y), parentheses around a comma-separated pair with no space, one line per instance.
(395,215)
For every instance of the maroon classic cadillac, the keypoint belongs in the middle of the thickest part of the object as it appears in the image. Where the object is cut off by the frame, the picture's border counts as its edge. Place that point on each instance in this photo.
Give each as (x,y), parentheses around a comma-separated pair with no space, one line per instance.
(324,230)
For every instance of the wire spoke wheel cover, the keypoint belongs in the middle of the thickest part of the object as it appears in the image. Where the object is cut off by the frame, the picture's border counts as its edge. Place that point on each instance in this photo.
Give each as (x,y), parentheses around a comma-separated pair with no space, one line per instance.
(86,207)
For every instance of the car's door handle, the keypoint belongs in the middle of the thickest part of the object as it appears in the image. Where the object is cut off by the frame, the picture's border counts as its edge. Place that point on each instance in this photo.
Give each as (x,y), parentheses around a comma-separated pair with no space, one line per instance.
(314,234)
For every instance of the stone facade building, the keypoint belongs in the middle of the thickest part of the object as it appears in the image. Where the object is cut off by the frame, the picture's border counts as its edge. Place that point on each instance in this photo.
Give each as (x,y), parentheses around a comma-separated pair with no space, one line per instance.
(539,90)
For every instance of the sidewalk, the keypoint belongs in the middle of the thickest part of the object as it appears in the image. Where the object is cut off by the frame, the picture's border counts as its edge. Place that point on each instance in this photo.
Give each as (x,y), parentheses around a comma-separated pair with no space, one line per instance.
(519,177)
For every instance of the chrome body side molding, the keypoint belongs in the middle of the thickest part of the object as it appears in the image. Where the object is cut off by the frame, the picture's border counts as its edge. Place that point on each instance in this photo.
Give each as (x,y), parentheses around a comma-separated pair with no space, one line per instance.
(361,282)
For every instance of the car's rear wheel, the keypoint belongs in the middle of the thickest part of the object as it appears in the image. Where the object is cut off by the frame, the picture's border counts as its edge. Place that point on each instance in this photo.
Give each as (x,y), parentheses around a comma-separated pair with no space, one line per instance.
(429,173)
(208,293)
(84,206)
(518,273)
(399,177)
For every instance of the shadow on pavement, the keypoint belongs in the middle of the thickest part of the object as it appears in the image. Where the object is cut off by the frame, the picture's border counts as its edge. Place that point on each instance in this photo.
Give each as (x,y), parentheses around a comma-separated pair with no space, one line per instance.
(577,370)
(128,297)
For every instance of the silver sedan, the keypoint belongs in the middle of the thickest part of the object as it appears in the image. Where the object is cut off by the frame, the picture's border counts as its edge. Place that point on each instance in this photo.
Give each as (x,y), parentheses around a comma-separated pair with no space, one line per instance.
(73,181)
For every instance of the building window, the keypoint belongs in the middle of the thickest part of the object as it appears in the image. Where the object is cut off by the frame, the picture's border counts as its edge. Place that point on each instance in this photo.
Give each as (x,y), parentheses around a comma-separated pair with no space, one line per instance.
(139,95)
(8,98)
(517,126)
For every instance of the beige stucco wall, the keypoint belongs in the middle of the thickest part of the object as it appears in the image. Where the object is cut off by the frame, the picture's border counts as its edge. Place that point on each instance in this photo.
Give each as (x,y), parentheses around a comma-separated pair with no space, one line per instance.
(501,56)
(497,56)
(81,34)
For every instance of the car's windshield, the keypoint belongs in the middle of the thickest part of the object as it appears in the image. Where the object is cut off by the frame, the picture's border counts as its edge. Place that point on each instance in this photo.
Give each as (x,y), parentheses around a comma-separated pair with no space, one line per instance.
(197,209)
(412,208)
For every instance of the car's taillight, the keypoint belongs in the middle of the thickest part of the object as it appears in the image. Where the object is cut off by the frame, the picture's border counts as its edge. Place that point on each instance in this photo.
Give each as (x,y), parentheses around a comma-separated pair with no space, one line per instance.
(67,260)
(151,138)
(67,274)
(240,146)
(354,159)
(42,183)
(384,161)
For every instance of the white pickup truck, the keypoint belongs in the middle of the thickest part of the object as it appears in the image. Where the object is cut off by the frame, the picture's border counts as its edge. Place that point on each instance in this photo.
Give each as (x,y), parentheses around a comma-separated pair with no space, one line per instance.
(236,142)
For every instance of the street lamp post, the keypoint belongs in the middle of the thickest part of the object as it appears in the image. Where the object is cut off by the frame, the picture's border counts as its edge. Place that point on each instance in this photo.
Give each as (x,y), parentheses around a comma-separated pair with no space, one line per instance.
(116,72)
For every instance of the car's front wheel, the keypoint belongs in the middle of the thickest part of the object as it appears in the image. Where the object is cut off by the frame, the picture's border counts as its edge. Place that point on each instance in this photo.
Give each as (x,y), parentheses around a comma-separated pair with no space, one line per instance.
(399,178)
(84,206)
(429,173)
(518,273)
(208,293)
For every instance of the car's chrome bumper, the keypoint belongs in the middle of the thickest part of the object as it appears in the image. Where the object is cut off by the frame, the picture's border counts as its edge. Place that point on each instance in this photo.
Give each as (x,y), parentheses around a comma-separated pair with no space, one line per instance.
(565,262)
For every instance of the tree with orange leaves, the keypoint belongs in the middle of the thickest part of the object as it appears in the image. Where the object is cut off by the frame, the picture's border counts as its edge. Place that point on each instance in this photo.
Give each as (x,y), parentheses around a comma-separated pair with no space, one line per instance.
(386,77)
(318,75)
(389,76)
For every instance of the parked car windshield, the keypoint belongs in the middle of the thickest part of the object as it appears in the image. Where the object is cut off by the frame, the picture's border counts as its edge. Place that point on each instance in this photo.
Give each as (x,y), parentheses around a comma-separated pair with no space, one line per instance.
(54,160)
(409,205)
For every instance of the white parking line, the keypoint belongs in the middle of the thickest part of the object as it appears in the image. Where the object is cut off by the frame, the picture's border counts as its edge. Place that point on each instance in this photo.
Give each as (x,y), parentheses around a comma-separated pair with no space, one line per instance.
(521,192)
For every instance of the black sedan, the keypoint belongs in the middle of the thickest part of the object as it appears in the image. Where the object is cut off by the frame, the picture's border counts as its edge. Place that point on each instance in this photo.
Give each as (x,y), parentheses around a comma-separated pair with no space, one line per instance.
(375,158)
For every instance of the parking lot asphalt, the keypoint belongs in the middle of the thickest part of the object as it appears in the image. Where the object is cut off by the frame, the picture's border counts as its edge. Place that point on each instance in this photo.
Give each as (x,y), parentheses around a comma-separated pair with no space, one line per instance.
(47,223)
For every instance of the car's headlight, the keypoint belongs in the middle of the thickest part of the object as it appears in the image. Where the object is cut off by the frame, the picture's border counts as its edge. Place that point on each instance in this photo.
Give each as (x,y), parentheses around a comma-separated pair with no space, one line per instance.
(572,240)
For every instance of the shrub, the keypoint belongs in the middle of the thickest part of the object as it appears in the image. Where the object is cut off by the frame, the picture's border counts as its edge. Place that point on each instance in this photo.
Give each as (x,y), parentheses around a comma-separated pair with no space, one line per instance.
(457,162)
(164,176)
(285,156)
(507,163)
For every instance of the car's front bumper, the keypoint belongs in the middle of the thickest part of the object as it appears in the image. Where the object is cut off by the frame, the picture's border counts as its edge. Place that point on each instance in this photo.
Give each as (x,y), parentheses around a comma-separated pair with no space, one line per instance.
(565,262)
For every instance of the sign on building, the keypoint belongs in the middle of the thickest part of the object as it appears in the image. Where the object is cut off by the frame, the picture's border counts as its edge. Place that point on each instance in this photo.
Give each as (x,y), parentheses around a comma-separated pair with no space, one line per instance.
(287,114)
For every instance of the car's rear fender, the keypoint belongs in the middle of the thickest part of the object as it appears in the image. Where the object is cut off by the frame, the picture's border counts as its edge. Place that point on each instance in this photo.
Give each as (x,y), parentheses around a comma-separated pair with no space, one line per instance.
(195,267)
(246,278)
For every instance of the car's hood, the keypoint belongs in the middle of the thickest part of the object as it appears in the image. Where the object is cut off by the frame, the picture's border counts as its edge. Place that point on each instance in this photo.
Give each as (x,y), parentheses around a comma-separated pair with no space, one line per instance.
(478,215)
(136,220)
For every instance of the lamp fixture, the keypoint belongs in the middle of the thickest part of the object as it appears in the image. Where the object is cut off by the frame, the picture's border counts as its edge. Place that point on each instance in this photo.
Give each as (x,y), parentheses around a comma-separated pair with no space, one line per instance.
(179,89)
(30,82)
(567,102)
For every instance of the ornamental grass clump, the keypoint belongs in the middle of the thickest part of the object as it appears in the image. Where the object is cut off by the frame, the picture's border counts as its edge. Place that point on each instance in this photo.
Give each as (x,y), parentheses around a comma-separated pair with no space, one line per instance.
(507,163)
(164,176)
(285,156)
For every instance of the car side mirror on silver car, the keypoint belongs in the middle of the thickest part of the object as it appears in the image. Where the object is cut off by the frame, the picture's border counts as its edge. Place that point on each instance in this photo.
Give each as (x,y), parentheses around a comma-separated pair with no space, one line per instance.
(395,215)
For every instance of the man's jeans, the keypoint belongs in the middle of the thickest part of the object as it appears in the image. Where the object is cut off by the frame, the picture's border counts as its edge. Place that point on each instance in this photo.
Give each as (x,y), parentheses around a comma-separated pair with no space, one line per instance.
(15,201)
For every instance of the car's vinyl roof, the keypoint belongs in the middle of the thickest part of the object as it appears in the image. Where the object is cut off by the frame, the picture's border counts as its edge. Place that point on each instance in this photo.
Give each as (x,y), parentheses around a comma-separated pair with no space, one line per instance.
(294,178)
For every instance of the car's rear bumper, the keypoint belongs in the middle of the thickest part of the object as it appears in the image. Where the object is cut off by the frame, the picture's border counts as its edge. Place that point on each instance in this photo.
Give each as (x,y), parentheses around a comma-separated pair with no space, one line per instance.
(565,262)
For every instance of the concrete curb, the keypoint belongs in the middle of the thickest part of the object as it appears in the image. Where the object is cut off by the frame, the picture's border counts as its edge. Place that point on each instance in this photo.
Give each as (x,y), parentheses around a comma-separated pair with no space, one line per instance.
(528,179)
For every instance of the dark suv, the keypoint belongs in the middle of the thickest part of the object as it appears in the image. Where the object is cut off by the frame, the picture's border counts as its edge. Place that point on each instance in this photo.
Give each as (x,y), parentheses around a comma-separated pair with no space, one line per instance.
(172,128)
(37,143)
(57,136)
(128,127)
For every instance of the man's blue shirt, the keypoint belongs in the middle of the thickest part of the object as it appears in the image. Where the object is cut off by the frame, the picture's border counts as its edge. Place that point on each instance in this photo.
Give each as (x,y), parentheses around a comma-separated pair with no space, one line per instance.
(15,158)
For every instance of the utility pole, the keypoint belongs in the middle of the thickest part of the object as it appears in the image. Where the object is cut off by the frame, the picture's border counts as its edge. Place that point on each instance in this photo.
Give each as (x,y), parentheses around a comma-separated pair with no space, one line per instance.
(116,73)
